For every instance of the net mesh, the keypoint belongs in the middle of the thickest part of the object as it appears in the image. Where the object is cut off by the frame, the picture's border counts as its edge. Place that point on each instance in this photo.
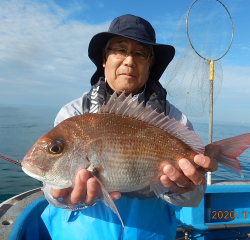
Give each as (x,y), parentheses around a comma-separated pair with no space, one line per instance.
(209,28)
(187,80)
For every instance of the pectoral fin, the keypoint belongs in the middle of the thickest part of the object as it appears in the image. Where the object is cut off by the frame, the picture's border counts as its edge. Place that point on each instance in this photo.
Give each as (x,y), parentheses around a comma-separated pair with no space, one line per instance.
(105,198)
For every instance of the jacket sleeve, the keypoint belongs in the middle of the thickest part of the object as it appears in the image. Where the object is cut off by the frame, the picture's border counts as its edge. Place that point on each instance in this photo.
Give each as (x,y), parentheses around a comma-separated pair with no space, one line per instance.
(71,109)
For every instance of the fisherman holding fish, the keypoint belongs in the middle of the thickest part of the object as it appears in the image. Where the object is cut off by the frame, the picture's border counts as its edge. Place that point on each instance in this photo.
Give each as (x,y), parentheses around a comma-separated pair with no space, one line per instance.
(128,59)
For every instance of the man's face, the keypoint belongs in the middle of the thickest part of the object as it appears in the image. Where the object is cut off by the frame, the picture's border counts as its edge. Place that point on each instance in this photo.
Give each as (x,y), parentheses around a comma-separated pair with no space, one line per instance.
(126,74)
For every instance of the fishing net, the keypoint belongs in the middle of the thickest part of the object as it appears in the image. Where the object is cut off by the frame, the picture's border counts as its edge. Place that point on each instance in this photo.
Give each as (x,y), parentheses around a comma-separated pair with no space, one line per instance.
(203,34)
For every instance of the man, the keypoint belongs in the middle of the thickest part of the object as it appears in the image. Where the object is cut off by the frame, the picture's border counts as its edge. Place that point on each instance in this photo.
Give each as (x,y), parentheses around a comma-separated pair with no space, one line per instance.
(127,58)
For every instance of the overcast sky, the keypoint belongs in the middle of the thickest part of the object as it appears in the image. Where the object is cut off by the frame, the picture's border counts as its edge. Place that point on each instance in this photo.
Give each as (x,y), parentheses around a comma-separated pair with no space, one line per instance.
(43,49)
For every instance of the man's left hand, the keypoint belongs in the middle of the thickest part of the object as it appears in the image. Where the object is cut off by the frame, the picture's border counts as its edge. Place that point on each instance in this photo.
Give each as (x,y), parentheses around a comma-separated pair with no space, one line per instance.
(184,182)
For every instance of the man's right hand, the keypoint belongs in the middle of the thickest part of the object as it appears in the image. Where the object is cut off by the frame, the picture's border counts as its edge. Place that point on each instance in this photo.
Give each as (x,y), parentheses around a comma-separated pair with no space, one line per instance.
(86,191)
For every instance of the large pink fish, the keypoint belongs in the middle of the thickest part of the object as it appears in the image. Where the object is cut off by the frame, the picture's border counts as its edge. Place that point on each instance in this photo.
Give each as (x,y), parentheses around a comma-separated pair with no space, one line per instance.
(126,145)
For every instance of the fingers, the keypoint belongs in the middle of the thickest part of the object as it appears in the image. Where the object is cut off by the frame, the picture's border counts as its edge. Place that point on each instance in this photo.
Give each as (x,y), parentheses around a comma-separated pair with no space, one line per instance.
(93,191)
(86,191)
(191,173)
(60,194)
(185,181)
(79,192)
(206,163)
(176,176)
(115,195)
(179,182)
(182,182)
(172,186)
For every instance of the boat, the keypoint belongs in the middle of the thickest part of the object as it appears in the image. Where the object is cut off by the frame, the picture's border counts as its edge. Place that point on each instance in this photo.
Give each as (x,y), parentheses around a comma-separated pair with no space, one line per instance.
(223,213)
(20,217)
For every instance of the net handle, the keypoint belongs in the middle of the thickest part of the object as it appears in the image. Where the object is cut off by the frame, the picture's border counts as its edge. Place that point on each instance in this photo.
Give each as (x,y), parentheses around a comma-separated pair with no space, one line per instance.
(190,39)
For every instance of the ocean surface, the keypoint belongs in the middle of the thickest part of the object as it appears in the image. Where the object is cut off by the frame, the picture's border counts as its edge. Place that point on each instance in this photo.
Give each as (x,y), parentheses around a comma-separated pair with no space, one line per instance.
(21,127)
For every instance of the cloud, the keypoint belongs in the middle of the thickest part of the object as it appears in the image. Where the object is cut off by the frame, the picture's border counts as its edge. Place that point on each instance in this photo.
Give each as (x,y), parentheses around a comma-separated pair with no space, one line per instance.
(3,80)
(236,79)
(242,48)
(165,27)
(41,47)
(246,48)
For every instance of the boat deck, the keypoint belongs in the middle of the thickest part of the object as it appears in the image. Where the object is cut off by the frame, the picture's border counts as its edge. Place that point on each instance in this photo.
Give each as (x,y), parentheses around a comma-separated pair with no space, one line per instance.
(224,213)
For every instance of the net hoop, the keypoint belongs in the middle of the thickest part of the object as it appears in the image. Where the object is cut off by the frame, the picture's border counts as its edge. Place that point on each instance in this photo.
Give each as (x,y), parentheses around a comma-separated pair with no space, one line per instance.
(190,39)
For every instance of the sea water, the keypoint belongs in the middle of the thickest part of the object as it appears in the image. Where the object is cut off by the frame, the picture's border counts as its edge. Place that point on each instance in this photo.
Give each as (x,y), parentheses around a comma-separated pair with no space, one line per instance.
(19,130)
(21,127)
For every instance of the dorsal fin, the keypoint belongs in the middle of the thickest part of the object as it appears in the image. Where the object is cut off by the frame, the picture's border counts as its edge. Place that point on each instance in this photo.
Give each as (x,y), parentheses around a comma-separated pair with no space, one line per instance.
(131,108)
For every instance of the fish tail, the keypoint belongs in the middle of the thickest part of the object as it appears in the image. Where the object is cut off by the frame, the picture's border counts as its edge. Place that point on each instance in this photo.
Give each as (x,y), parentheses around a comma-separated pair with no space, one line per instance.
(227,150)
(11,159)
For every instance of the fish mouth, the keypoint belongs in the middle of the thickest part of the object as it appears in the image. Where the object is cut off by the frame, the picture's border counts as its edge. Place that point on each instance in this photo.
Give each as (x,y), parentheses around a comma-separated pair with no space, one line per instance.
(52,183)
(32,174)
(38,167)
(32,168)
(26,163)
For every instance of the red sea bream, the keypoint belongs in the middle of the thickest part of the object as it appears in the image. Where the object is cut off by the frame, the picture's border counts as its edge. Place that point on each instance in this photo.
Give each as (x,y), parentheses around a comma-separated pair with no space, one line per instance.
(125,144)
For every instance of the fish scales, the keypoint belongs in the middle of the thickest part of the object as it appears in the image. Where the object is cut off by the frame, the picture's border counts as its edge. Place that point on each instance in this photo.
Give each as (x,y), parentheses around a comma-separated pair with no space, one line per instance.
(133,152)
(129,154)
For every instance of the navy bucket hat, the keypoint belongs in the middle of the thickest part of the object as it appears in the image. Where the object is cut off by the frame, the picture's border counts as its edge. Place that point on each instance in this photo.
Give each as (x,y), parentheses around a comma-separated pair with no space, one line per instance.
(135,28)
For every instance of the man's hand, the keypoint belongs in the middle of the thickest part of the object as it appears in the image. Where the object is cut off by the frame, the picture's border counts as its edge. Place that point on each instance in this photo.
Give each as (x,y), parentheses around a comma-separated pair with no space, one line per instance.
(184,182)
(86,191)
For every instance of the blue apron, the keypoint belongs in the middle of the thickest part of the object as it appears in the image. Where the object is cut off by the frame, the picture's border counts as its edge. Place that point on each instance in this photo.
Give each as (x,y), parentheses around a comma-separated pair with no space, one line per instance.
(151,218)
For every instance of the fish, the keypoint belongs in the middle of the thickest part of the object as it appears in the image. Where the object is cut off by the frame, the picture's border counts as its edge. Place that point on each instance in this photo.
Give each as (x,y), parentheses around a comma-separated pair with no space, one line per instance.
(125,145)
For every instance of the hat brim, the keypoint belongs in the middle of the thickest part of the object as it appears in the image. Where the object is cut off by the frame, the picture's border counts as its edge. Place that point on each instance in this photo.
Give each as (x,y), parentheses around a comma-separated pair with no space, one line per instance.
(163,55)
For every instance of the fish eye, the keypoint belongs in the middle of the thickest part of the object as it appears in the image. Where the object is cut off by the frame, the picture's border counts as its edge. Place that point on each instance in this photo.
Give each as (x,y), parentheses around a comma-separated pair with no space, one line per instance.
(55,147)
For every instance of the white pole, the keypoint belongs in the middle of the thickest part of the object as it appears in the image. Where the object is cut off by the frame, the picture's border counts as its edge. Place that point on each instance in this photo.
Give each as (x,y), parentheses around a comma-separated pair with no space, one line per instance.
(210,130)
